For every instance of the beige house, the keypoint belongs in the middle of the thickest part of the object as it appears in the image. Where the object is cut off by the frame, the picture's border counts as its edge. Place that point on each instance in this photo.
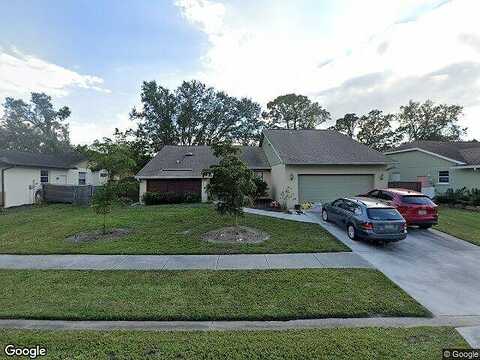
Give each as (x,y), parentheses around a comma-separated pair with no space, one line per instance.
(298,166)
(22,174)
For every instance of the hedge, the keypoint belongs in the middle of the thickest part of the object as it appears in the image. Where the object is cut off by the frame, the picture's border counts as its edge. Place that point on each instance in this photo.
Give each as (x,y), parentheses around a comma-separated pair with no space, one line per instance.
(157,198)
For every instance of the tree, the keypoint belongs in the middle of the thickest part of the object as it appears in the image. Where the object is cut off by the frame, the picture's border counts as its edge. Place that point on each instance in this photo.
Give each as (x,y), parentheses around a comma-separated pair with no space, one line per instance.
(428,121)
(113,155)
(347,125)
(34,126)
(194,114)
(295,112)
(232,182)
(102,202)
(375,131)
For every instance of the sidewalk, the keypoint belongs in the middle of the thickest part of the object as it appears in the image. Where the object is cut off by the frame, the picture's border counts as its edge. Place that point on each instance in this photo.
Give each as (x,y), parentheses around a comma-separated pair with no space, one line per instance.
(184,262)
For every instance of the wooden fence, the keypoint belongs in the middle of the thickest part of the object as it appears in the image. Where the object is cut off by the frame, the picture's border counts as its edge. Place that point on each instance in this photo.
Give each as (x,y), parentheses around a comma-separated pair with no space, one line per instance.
(72,194)
(410,185)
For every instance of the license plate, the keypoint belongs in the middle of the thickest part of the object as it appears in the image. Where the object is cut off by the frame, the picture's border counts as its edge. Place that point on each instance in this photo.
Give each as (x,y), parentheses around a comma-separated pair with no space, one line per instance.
(422,212)
(389,227)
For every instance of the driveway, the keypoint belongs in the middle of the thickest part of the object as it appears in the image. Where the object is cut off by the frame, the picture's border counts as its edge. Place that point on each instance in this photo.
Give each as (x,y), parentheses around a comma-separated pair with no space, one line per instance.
(439,271)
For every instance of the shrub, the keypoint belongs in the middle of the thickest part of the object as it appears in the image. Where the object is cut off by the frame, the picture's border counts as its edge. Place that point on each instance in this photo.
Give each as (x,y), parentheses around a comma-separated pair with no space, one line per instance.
(261,188)
(156,198)
(475,197)
(102,202)
(459,196)
(127,189)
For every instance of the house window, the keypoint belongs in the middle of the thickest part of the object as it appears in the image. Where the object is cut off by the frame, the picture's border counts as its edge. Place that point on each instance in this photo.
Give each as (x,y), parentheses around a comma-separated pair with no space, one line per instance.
(82,178)
(43,176)
(444,177)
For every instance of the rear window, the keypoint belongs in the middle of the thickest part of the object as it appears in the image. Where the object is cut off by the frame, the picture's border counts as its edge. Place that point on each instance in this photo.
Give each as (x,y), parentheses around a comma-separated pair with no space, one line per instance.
(417,200)
(384,214)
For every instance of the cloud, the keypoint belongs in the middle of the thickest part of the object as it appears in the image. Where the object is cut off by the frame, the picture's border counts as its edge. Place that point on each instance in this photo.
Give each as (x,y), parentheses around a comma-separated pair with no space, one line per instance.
(350,55)
(21,74)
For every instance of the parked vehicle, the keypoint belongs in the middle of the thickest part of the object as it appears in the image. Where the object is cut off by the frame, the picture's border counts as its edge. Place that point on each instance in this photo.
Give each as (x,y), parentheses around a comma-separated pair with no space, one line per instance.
(415,207)
(366,218)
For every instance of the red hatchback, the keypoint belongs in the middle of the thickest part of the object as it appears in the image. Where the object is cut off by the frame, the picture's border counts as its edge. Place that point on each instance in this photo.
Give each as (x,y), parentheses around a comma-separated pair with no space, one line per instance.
(416,208)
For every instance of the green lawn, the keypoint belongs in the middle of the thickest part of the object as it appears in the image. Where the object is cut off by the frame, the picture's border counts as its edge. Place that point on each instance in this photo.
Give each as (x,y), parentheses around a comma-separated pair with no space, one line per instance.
(202,295)
(360,343)
(462,224)
(168,229)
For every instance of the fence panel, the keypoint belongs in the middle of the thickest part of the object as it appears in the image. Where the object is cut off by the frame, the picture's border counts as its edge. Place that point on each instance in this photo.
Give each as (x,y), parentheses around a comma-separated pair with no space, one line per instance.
(410,185)
(71,194)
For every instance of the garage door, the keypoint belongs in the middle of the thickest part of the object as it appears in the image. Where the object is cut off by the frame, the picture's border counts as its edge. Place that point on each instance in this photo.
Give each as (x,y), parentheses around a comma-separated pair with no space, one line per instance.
(324,188)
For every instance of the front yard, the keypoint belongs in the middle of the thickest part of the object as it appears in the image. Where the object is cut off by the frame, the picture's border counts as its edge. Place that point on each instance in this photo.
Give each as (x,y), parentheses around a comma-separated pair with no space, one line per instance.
(167,229)
(364,343)
(202,295)
(462,224)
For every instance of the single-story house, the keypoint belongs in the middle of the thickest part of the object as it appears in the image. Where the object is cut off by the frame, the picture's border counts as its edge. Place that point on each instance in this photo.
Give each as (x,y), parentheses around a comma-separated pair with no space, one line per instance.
(437,164)
(309,165)
(22,174)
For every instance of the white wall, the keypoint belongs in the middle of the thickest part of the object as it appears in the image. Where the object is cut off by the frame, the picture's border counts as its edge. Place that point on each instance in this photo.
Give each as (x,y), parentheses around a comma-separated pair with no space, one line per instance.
(143,189)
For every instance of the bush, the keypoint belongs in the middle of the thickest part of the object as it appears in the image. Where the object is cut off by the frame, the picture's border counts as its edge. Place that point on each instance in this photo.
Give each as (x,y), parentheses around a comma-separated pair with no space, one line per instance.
(459,196)
(156,198)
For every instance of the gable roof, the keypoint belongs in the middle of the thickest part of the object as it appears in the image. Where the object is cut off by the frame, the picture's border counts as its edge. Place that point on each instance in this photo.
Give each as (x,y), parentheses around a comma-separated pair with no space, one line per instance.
(189,161)
(321,147)
(59,161)
(460,152)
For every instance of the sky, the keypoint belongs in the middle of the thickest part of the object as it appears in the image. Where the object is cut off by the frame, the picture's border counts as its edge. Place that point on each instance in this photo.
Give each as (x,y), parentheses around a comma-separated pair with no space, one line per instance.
(349,55)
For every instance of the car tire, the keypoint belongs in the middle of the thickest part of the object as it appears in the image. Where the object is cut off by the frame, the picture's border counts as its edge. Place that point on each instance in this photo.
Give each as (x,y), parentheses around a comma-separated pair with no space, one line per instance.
(425,226)
(325,216)
(351,232)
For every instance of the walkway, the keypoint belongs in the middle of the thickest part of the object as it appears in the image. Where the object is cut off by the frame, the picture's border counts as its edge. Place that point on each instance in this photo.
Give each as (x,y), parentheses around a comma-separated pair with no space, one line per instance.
(184,262)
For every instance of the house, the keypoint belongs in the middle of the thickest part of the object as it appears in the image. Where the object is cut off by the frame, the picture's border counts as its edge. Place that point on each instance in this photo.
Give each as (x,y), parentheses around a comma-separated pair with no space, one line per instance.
(22,174)
(437,164)
(298,166)
(179,169)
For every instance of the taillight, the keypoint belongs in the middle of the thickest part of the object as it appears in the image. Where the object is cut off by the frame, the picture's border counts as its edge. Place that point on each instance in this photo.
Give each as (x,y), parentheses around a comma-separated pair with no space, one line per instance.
(366,226)
(402,209)
(403,227)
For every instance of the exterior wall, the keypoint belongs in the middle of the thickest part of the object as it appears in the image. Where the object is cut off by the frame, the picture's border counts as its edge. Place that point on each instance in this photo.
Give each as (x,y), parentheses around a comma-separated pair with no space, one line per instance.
(287,176)
(21,185)
(270,153)
(205,182)
(410,165)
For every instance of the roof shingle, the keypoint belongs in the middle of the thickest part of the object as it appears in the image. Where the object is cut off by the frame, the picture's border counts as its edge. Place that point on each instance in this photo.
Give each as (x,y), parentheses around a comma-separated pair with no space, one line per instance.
(189,161)
(59,161)
(321,147)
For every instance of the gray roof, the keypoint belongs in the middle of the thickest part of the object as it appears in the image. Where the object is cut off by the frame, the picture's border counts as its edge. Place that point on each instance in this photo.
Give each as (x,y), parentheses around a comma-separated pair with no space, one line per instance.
(321,147)
(467,152)
(189,161)
(59,161)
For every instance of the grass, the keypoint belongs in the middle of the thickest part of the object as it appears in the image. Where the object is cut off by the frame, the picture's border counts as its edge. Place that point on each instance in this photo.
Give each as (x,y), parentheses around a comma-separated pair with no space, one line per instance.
(167,229)
(462,224)
(202,295)
(360,343)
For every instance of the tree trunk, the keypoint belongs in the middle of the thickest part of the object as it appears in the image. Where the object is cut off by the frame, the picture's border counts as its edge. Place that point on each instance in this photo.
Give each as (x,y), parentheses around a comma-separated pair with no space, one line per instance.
(104,224)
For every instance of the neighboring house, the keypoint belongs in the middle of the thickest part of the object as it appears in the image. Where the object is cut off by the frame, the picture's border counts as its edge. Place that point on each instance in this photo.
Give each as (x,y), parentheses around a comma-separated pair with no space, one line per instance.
(310,165)
(179,169)
(22,174)
(437,164)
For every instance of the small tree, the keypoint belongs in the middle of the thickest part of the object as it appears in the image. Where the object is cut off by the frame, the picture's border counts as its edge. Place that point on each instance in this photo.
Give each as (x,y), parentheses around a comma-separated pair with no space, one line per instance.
(102,202)
(232,182)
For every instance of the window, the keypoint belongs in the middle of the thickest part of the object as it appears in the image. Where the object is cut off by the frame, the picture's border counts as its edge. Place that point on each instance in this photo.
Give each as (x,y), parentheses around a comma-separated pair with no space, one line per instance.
(444,177)
(383,214)
(82,178)
(417,200)
(103,175)
(43,176)
(385,196)
(374,194)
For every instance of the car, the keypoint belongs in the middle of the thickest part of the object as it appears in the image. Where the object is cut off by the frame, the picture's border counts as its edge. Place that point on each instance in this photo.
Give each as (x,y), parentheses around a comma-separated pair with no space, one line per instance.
(366,219)
(416,208)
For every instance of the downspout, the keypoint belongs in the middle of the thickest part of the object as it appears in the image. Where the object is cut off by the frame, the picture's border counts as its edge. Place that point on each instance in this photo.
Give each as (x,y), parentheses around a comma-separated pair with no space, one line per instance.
(3,184)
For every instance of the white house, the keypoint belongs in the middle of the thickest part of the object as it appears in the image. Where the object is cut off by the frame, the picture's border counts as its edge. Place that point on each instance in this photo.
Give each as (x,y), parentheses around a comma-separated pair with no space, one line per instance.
(22,174)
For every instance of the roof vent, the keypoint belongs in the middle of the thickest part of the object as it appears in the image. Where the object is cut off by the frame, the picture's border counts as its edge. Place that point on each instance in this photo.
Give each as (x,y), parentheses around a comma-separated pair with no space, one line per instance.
(189,154)
(178,161)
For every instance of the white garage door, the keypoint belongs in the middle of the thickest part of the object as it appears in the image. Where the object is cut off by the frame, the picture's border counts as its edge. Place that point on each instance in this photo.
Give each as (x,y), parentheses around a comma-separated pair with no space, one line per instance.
(324,188)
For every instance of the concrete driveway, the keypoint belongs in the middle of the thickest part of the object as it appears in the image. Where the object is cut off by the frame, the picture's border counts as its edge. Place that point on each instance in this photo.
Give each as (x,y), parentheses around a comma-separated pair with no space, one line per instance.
(441,272)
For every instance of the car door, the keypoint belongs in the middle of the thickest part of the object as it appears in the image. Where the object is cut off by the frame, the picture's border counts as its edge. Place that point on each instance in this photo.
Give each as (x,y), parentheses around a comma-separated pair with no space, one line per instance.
(335,209)
(345,212)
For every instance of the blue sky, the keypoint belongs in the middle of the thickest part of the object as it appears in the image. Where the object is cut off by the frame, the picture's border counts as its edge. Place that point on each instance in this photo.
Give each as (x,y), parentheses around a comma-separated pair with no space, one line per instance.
(349,55)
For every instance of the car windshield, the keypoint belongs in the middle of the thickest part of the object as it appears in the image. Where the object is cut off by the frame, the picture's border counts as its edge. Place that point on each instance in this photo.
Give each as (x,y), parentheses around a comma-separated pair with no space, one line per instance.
(384,214)
(417,200)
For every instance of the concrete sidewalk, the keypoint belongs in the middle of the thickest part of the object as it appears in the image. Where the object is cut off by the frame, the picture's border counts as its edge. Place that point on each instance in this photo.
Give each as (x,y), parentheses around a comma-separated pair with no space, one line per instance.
(454,321)
(184,262)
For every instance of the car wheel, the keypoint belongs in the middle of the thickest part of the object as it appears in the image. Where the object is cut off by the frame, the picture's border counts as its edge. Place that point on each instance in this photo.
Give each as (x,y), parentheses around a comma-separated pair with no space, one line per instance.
(425,226)
(325,215)
(351,232)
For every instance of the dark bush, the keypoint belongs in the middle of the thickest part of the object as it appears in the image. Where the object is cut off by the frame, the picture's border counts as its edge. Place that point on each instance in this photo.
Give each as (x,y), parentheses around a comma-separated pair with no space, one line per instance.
(459,196)
(127,189)
(156,198)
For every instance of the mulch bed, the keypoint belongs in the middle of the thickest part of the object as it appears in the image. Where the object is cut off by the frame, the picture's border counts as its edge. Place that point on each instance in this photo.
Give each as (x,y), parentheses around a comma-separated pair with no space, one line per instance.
(236,235)
(97,235)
